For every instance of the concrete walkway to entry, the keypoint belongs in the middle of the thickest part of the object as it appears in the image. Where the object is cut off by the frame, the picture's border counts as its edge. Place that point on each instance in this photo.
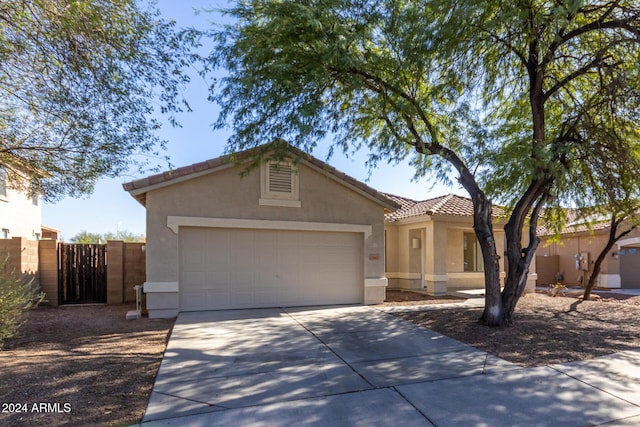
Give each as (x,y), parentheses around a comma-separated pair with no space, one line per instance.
(351,366)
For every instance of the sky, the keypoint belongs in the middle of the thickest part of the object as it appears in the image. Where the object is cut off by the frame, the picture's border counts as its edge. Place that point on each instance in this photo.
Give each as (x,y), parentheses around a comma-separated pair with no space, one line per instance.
(109,208)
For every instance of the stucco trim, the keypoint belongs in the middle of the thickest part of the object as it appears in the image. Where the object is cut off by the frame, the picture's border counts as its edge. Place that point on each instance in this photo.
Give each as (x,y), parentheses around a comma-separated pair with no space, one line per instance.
(376,282)
(633,241)
(175,222)
(161,287)
(280,203)
(406,276)
(467,275)
(436,277)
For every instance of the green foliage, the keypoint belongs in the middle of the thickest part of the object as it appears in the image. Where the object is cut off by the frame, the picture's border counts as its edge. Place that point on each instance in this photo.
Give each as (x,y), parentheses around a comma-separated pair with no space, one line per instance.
(519,100)
(364,72)
(16,296)
(78,81)
(458,81)
(124,235)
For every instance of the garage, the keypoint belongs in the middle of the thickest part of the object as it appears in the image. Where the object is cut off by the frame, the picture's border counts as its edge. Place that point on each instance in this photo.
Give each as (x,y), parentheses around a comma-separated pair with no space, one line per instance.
(252,230)
(222,268)
(629,268)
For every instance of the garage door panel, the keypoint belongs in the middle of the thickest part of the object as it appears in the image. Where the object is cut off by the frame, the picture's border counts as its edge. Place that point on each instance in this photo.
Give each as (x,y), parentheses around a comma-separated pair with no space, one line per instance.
(231,268)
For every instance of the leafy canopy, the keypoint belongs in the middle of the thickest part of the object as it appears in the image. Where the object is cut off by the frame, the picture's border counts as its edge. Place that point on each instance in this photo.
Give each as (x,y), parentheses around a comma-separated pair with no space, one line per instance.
(79,81)
(454,79)
(515,98)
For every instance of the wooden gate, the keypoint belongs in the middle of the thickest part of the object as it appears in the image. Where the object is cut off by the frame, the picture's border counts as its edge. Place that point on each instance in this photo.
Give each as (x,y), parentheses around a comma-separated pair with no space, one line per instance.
(82,273)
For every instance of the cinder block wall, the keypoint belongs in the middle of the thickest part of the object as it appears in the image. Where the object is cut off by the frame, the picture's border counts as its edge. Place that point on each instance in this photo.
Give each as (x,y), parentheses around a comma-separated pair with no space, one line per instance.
(22,257)
(39,260)
(134,269)
(125,269)
(115,271)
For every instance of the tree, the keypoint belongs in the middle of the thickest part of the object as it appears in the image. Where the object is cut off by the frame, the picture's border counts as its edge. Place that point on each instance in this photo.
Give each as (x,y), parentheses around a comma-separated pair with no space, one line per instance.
(125,235)
(609,164)
(78,81)
(495,92)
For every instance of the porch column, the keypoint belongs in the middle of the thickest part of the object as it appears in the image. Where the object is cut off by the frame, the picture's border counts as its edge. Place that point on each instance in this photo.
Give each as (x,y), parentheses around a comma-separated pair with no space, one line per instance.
(436,260)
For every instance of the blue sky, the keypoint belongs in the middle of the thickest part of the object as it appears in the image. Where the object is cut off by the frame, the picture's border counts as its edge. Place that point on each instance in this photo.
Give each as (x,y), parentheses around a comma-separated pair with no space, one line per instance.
(110,208)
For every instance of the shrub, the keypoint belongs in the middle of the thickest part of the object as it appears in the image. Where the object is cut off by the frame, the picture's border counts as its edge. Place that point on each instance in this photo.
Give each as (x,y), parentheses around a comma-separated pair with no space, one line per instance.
(16,296)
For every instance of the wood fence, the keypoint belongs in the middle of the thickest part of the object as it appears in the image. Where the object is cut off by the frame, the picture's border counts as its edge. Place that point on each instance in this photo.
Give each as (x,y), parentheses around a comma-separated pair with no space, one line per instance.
(82,273)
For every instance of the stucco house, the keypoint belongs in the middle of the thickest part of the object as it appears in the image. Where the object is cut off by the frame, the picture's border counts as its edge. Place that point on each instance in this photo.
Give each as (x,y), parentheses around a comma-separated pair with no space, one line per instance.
(288,233)
(431,245)
(20,212)
(574,252)
(296,232)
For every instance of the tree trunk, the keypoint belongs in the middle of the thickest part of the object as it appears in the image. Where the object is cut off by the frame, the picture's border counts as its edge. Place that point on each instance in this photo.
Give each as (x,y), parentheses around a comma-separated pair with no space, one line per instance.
(493,313)
(519,258)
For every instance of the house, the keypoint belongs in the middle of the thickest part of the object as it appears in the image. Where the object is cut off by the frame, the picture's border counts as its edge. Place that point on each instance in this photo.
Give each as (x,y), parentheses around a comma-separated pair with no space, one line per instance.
(574,252)
(20,212)
(431,246)
(290,232)
(296,231)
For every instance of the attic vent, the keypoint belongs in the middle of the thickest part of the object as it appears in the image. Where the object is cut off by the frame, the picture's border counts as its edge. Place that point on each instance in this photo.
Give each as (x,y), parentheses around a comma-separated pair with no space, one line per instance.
(279,185)
(280,178)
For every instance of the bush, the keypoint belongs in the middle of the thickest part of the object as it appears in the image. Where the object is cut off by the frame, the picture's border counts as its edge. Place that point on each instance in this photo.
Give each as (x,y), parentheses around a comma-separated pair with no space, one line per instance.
(16,296)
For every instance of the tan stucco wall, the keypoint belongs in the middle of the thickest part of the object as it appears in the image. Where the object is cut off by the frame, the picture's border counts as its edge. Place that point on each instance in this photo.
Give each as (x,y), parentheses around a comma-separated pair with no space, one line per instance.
(443,251)
(225,194)
(592,242)
(19,215)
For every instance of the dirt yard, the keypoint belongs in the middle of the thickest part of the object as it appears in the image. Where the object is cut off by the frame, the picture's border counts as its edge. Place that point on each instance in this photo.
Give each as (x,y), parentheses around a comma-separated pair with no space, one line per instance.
(546,330)
(87,365)
(80,366)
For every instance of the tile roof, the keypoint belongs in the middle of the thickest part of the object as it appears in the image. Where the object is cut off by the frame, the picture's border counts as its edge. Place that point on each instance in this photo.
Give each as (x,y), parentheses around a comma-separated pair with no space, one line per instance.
(577,221)
(449,205)
(138,187)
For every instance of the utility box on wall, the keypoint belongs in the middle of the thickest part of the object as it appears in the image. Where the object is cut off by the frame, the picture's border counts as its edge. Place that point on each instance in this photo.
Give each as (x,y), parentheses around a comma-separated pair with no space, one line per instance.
(582,261)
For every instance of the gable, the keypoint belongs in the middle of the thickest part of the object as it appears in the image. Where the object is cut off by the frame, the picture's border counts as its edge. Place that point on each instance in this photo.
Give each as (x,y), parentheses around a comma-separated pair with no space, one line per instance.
(278,182)
(228,194)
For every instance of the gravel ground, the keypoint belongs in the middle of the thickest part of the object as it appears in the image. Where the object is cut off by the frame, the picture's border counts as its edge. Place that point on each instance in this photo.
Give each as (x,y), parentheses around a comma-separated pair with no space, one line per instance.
(546,329)
(80,366)
(87,365)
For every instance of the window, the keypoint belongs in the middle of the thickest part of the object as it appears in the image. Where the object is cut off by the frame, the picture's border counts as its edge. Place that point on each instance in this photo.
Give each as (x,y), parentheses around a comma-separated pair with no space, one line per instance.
(472,253)
(279,185)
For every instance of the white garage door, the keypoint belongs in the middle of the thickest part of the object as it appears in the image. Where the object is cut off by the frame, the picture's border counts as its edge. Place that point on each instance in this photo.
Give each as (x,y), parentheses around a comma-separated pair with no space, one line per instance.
(238,268)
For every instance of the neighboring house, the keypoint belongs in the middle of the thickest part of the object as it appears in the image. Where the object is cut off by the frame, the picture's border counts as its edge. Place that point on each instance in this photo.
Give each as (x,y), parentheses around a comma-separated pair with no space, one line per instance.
(574,252)
(285,234)
(431,245)
(49,233)
(20,212)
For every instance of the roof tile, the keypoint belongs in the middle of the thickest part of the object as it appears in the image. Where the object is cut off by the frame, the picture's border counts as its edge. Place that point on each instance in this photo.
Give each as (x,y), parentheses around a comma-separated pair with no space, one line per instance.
(451,205)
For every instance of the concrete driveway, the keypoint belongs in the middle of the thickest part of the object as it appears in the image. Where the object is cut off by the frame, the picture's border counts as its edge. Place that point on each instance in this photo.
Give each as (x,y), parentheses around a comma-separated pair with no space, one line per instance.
(360,366)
